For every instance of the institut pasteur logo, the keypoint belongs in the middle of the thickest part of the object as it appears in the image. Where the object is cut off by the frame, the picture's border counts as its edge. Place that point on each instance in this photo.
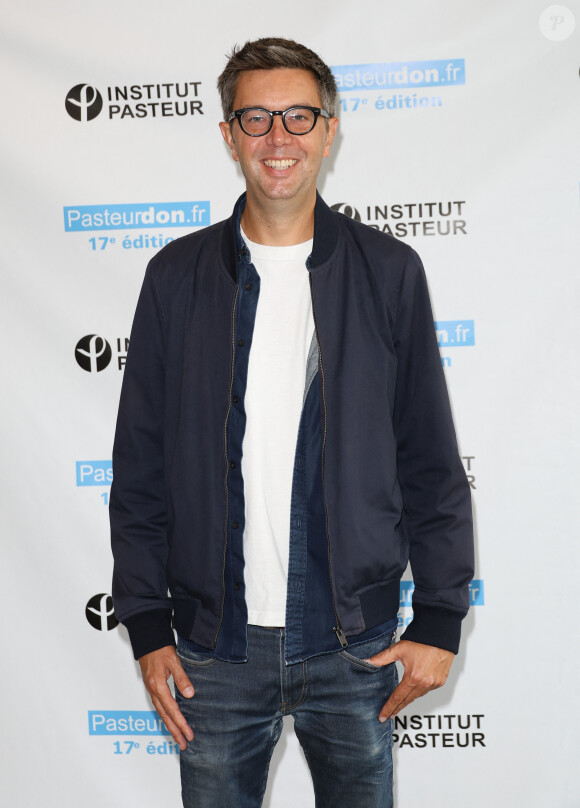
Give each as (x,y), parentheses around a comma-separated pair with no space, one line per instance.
(84,102)
(94,353)
(157,99)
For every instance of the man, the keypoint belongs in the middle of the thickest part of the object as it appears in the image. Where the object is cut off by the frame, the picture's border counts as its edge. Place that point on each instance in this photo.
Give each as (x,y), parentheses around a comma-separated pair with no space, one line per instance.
(284,446)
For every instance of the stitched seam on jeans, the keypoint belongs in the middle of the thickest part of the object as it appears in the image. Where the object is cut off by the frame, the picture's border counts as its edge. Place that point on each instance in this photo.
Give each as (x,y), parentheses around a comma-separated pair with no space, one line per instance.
(273,742)
(304,693)
(359,662)
(206,663)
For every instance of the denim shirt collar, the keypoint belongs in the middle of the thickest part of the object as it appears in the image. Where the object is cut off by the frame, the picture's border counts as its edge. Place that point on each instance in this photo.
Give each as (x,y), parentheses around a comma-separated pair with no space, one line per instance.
(325,236)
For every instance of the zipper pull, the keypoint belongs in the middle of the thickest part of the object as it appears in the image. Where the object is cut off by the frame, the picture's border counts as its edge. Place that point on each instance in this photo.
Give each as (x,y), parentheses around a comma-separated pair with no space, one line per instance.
(341,638)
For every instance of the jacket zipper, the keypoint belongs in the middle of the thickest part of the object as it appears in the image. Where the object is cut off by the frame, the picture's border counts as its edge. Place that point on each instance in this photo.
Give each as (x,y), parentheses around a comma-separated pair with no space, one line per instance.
(227,466)
(337,628)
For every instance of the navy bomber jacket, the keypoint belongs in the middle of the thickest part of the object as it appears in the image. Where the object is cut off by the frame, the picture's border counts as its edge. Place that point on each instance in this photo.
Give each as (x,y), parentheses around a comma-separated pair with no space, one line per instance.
(377,478)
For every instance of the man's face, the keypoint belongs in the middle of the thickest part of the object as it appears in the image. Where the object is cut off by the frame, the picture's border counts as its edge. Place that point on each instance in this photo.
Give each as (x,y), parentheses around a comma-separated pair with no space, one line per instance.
(279,166)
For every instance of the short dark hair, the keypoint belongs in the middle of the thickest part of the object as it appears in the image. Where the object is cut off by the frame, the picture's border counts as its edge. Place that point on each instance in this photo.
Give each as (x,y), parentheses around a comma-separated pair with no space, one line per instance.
(271,53)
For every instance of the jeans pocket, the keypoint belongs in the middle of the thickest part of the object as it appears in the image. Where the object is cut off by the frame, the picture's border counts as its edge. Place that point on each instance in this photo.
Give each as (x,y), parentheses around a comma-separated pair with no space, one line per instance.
(194,659)
(359,654)
(360,663)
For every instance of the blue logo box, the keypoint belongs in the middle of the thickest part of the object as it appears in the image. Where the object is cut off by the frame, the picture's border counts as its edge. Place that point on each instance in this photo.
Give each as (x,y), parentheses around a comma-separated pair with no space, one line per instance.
(455,333)
(476,593)
(398,75)
(126,722)
(84,218)
(94,472)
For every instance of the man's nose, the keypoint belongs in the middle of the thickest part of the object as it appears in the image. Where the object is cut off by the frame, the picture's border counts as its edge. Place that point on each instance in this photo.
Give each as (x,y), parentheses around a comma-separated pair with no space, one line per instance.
(278,134)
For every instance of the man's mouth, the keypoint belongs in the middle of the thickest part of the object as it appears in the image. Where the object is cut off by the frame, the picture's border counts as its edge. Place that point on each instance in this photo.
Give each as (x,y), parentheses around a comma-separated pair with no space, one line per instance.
(280,165)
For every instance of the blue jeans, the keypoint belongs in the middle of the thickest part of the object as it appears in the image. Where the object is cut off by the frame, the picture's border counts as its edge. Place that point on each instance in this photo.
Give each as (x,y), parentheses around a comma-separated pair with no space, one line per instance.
(236,716)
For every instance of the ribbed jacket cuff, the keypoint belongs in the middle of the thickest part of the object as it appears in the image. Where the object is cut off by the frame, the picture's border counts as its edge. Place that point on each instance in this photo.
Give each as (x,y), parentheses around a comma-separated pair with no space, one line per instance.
(435,626)
(149,631)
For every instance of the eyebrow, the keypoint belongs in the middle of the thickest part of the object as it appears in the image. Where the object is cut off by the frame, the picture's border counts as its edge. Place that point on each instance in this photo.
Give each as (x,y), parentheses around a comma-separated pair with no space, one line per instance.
(294,104)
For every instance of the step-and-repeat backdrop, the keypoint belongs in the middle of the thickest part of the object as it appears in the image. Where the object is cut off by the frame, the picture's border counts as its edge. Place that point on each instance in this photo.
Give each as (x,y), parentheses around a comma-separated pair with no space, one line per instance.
(459,133)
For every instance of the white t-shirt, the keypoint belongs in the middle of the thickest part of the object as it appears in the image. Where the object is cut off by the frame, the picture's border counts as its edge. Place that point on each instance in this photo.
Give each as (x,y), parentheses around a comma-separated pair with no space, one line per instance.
(276,374)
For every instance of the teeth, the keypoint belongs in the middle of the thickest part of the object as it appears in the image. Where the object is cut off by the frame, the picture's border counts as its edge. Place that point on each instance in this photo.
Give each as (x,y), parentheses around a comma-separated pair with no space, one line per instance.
(280,164)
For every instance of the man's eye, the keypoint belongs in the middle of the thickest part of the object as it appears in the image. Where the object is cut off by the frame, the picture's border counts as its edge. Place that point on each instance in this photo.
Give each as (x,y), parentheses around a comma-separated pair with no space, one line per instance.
(255,117)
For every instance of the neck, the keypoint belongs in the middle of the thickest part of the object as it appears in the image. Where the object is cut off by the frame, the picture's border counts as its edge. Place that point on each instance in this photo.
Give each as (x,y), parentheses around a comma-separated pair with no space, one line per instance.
(280,225)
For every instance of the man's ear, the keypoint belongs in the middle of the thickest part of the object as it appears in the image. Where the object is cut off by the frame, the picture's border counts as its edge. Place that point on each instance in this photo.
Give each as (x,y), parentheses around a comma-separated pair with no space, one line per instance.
(330,133)
(331,127)
(226,131)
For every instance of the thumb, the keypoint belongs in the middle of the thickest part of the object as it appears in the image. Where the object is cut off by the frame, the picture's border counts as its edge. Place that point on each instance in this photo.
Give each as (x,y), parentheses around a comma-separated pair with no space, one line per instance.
(384,657)
(182,682)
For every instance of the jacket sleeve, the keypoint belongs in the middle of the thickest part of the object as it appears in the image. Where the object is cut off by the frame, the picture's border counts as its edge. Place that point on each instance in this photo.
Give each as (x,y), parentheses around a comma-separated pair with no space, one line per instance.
(138,507)
(437,517)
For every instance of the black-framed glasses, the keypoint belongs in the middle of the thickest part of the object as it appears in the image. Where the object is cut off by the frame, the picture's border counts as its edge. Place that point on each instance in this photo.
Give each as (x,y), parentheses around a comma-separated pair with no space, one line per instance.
(257,121)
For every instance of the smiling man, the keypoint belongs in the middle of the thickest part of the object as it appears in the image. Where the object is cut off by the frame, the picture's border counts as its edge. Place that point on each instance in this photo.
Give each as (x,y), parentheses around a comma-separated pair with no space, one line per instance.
(284,447)
(280,155)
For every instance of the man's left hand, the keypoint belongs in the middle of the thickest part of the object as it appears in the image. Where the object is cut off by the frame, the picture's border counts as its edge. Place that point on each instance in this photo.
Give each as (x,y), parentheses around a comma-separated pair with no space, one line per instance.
(426,668)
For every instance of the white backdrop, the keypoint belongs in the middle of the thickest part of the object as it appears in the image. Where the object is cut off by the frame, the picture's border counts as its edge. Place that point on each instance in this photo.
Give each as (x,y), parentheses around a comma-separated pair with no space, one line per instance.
(470,110)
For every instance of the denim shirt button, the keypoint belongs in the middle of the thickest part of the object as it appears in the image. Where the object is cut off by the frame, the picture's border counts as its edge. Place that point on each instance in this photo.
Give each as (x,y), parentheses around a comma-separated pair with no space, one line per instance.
(235,525)
(241,342)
